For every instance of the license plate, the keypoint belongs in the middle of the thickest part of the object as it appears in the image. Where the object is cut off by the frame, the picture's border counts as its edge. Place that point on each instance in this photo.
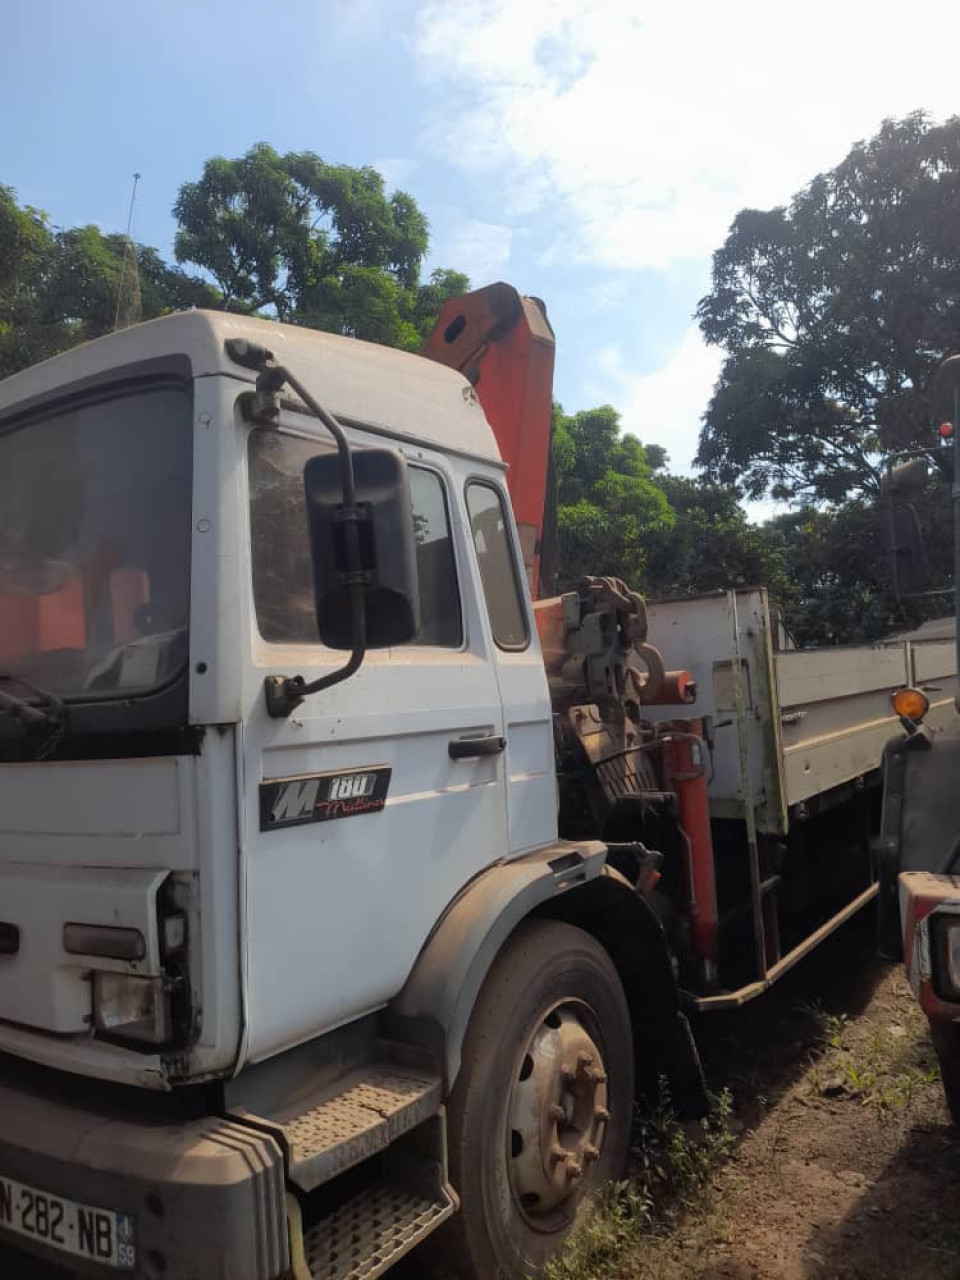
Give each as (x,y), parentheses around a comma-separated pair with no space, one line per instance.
(85,1230)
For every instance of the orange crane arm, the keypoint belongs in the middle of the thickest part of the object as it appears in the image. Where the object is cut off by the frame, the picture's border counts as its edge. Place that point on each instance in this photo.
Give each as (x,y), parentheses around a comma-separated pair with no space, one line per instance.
(503,344)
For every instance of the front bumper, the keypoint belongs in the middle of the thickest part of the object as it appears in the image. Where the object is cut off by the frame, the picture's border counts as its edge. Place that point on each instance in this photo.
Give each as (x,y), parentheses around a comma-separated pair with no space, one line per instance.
(206,1194)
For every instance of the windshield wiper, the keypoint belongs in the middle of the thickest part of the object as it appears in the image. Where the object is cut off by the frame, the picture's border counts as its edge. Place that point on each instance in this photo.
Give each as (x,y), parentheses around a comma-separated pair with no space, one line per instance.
(48,710)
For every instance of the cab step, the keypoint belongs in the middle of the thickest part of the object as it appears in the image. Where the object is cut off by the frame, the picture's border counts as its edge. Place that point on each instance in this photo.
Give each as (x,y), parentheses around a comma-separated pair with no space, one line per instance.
(366,1235)
(351,1119)
(364,1223)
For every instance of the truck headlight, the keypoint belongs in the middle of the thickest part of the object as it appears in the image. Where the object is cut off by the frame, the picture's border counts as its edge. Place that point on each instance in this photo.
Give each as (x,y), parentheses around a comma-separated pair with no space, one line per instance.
(945,931)
(129,1006)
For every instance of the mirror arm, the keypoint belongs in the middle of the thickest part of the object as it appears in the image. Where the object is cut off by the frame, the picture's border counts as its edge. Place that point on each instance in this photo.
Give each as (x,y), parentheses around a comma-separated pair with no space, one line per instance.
(284,694)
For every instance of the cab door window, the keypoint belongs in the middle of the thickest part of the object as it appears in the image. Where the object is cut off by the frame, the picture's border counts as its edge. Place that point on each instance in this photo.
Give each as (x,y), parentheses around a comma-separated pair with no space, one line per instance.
(498,566)
(280,546)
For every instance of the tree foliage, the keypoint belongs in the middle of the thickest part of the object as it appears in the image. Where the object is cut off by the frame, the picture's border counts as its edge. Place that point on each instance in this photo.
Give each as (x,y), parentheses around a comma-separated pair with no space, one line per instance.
(835,586)
(291,236)
(710,544)
(608,504)
(60,287)
(313,243)
(835,313)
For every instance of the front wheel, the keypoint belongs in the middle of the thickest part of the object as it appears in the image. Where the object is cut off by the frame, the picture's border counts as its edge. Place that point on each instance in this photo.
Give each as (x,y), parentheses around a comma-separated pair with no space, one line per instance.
(542,1109)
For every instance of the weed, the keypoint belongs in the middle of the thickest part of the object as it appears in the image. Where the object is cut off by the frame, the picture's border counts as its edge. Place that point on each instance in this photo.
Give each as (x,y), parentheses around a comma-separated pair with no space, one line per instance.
(616,1220)
(862,1077)
(671,1162)
(776,1144)
(835,1024)
(882,1070)
(831,1027)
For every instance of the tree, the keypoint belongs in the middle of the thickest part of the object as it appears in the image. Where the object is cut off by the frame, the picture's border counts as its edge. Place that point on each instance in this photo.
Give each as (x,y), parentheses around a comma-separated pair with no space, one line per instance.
(316,244)
(835,313)
(313,243)
(656,456)
(61,287)
(835,586)
(26,247)
(608,503)
(710,545)
(97,282)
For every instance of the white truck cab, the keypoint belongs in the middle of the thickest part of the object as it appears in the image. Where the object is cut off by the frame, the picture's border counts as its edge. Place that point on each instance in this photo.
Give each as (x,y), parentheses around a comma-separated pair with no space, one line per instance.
(152,495)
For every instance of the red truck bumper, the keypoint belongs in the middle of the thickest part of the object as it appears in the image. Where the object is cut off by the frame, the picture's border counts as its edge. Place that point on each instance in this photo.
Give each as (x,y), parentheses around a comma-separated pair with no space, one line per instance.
(930,911)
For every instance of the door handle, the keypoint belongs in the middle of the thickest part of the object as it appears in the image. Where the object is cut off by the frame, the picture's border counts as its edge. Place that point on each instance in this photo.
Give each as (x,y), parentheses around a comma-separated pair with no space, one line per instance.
(469,748)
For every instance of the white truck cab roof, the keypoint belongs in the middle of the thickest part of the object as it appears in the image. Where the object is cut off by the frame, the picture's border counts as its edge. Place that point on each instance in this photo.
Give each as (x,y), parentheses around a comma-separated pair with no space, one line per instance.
(362,382)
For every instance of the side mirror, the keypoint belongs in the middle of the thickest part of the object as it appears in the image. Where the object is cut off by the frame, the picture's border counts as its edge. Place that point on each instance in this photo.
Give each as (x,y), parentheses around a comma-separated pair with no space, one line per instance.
(901,486)
(907,552)
(387,548)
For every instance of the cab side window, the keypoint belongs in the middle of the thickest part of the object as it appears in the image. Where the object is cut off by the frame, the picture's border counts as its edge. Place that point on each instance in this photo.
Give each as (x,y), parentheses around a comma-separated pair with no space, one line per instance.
(280,546)
(498,566)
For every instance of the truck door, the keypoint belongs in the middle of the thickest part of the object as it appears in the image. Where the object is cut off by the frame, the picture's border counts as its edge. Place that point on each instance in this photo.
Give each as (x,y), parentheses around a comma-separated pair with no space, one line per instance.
(528,721)
(378,799)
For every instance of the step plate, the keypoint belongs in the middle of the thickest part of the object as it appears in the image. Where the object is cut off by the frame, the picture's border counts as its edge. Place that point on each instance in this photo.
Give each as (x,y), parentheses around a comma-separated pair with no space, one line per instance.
(368,1234)
(370,1109)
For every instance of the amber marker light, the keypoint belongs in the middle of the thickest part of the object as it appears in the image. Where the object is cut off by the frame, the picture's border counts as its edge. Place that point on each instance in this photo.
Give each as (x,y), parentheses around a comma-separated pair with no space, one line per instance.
(911,704)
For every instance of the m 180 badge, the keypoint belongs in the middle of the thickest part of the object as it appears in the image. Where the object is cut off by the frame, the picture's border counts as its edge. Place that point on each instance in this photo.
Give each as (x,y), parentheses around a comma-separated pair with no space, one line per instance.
(320,797)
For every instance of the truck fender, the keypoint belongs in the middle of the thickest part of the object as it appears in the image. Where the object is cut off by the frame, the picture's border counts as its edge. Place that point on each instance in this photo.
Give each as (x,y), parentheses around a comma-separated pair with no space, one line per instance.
(569,882)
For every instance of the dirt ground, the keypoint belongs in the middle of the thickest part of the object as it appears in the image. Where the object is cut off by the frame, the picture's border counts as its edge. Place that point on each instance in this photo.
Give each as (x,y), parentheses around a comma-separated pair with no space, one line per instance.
(846,1167)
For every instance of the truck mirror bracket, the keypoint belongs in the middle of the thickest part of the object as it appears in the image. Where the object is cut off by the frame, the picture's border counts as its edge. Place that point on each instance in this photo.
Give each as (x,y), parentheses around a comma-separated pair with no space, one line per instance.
(283,694)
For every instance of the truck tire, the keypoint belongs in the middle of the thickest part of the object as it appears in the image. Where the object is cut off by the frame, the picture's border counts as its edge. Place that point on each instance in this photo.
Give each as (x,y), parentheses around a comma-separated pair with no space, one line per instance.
(946,1041)
(541,1113)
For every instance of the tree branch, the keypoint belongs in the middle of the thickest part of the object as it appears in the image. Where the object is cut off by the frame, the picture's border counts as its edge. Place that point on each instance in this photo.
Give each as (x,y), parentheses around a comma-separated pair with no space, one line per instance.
(765,316)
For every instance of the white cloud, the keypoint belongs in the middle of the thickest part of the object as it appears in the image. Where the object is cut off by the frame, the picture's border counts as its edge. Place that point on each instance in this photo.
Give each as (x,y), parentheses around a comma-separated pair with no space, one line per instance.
(481,249)
(627,134)
(395,170)
(611,291)
(646,127)
(663,407)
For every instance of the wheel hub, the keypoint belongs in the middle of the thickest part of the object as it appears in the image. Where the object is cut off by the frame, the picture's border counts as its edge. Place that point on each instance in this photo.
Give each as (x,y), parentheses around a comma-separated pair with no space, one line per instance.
(558,1112)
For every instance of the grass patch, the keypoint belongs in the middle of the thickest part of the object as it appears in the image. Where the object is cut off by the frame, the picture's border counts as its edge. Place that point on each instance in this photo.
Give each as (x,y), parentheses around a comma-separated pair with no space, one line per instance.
(614,1222)
(671,1164)
(883,1069)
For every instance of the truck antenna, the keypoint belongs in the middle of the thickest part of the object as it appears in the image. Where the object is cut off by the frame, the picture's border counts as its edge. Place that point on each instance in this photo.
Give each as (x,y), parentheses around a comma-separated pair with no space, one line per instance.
(127,249)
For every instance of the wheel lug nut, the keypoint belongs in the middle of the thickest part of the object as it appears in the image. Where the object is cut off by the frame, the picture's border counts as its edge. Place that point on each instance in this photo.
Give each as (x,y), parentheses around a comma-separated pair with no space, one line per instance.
(601,1115)
(558,1155)
(574,1172)
(590,1153)
(584,1060)
(598,1077)
(556,1112)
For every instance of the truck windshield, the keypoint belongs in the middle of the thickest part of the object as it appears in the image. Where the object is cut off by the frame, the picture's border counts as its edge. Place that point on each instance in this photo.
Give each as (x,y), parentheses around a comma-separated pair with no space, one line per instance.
(95,543)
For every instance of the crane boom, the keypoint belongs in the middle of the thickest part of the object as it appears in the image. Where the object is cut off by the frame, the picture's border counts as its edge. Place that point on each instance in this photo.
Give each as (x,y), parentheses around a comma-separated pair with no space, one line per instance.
(503,344)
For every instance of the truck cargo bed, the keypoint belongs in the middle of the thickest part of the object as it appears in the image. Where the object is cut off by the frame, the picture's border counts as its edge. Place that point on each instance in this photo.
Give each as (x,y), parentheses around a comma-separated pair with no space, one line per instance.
(815,721)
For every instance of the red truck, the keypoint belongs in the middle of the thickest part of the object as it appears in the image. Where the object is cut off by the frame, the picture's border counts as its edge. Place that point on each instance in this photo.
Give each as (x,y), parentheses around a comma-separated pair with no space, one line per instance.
(919,847)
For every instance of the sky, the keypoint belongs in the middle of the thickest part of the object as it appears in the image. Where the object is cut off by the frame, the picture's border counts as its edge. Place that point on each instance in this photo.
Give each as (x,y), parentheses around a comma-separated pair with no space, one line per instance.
(592,154)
